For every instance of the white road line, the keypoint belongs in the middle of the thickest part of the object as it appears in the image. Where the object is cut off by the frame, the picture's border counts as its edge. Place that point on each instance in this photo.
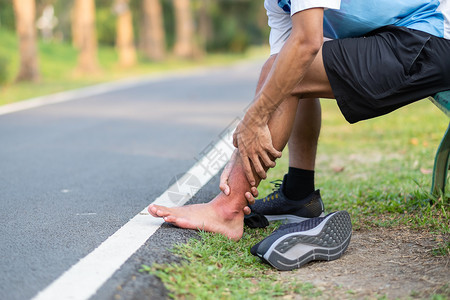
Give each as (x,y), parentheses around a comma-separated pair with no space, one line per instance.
(83,279)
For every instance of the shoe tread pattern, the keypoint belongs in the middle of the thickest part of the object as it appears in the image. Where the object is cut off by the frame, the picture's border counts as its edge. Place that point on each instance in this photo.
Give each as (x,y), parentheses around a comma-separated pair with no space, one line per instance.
(329,244)
(335,232)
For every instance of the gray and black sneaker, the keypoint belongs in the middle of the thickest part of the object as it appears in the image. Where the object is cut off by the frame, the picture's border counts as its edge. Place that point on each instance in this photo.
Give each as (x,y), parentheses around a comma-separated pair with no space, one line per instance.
(293,245)
(277,207)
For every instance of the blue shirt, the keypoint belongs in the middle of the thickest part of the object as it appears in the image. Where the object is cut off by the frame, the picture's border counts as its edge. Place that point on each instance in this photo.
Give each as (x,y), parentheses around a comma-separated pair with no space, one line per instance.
(357,17)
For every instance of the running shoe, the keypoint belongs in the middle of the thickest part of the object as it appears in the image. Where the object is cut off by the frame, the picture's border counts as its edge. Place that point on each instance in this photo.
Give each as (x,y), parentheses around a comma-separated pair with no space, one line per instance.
(277,207)
(293,245)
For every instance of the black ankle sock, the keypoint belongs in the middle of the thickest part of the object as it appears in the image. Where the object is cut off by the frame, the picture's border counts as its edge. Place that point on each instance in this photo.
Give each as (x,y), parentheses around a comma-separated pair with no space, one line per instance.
(299,183)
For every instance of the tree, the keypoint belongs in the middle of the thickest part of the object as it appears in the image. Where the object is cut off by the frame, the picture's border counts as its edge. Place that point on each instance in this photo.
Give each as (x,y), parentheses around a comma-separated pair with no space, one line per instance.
(25,14)
(205,23)
(84,34)
(185,46)
(124,33)
(153,41)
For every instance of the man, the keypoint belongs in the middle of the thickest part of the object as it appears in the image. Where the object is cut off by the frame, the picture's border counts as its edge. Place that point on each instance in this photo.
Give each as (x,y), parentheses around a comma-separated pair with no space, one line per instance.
(370,69)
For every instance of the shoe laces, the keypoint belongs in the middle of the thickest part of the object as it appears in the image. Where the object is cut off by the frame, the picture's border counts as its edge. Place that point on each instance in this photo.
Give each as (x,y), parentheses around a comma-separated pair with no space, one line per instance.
(275,190)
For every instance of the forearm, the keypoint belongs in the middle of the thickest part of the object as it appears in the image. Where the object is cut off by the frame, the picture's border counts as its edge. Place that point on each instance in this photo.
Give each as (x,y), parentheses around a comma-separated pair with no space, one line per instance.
(290,66)
(289,69)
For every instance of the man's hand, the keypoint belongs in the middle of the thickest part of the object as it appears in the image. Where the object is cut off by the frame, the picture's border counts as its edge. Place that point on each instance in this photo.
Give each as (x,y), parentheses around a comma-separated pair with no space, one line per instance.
(253,139)
(225,188)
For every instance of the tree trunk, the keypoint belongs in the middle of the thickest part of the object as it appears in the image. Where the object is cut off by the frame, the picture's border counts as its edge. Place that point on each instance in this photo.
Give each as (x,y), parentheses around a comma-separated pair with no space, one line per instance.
(76,34)
(25,14)
(205,25)
(124,34)
(85,35)
(153,42)
(184,30)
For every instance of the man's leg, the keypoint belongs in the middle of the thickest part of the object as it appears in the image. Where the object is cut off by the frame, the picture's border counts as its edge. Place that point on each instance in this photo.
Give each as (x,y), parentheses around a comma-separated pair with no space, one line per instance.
(305,135)
(302,145)
(296,198)
(224,214)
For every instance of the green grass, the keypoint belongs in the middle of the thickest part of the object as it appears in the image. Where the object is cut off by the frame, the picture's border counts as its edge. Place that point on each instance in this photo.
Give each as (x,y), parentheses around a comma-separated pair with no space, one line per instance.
(377,170)
(217,268)
(58,61)
(387,163)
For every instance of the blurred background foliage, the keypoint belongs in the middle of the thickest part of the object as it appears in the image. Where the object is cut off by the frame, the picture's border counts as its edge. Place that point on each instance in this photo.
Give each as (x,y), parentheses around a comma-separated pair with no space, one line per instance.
(236,24)
(32,64)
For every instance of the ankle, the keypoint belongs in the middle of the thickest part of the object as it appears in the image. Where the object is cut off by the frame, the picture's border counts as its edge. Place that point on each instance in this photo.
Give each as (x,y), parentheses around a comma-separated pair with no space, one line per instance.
(227,208)
(298,183)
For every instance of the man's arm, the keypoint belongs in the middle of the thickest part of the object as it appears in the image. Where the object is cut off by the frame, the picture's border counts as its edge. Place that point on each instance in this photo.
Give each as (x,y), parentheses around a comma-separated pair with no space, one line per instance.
(252,136)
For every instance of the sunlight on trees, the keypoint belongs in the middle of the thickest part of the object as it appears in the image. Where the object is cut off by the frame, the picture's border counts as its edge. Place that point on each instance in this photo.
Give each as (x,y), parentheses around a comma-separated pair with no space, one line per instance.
(85,35)
(124,36)
(25,11)
(185,45)
(184,29)
(153,40)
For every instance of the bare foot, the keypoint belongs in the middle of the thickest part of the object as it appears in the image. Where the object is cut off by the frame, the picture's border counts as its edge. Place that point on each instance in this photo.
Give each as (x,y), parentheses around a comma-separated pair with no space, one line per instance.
(215,216)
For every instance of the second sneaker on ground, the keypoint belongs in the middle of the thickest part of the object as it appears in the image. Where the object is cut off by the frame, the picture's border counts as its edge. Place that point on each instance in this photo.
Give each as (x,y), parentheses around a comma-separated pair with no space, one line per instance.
(293,245)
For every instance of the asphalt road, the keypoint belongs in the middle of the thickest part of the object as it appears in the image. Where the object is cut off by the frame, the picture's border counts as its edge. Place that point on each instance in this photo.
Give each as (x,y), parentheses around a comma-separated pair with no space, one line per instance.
(73,173)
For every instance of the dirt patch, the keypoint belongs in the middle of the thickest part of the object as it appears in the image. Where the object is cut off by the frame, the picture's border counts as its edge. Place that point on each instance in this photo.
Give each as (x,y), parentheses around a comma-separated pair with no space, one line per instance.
(391,262)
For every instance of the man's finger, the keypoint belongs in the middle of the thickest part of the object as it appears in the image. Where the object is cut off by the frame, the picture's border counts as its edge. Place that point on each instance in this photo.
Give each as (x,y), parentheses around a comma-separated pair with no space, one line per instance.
(225,188)
(235,142)
(266,160)
(224,176)
(247,210)
(248,170)
(254,191)
(258,167)
(274,152)
(250,198)
(223,185)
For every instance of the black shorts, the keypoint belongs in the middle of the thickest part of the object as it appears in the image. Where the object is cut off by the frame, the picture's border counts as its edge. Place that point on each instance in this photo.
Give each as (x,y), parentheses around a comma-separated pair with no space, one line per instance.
(385,70)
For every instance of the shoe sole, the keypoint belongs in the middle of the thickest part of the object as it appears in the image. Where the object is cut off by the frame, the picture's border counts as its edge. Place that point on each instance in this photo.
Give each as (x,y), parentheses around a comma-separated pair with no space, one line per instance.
(328,241)
(286,219)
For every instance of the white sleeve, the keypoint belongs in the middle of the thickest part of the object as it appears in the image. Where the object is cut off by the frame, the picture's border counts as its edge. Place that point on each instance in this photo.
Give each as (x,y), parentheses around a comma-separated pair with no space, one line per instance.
(280,22)
(299,5)
(280,25)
